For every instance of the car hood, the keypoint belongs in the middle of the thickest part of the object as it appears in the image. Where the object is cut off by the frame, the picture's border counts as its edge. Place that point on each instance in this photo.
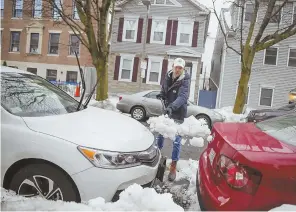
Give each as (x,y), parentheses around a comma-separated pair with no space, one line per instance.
(247,137)
(96,128)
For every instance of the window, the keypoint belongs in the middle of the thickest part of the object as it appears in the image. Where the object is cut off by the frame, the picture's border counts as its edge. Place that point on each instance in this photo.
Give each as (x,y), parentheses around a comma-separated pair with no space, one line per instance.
(294,12)
(57,7)
(75,12)
(276,17)
(165,2)
(154,71)
(53,46)
(37,9)
(17,11)
(125,73)
(271,56)
(292,58)
(249,10)
(152,95)
(34,42)
(2,8)
(130,30)
(15,41)
(185,30)
(247,95)
(28,95)
(266,95)
(74,45)
(32,70)
(71,76)
(51,75)
(158,31)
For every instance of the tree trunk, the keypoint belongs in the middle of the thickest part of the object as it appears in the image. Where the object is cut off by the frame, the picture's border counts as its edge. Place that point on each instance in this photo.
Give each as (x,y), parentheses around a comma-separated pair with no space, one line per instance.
(246,67)
(102,73)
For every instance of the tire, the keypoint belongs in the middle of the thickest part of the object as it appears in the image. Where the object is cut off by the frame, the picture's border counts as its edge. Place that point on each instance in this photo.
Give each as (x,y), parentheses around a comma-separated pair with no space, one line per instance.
(206,119)
(43,175)
(138,113)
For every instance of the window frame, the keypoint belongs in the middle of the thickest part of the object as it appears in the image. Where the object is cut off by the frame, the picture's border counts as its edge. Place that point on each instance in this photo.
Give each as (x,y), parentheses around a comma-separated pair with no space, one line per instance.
(2,9)
(150,60)
(277,56)
(153,25)
(294,12)
(289,52)
(31,71)
(46,76)
(126,57)
(34,9)
(10,44)
(130,18)
(180,22)
(57,17)
(260,93)
(244,16)
(38,43)
(75,11)
(71,72)
(49,43)
(14,9)
(70,46)
(281,15)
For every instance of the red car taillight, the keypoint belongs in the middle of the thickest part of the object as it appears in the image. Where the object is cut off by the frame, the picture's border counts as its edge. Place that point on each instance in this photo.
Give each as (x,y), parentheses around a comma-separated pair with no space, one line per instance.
(120,98)
(238,176)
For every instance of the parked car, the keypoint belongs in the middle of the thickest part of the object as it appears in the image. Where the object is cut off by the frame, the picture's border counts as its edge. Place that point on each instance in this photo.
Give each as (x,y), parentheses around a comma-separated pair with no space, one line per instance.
(249,166)
(144,104)
(263,114)
(292,96)
(52,148)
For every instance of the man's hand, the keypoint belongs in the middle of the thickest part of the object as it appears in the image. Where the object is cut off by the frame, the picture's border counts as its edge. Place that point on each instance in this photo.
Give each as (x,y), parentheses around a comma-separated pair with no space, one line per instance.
(160,96)
(168,112)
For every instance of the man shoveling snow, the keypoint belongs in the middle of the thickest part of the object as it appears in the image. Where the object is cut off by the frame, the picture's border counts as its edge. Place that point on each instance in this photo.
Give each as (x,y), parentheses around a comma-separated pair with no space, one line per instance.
(174,92)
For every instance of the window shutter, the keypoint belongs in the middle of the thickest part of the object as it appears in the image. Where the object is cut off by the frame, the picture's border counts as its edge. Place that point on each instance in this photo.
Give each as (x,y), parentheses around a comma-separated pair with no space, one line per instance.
(168,32)
(116,68)
(174,33)
(195,34)
(135,69)
(164,70)
(120,29)
(149,30)
(140,30)
(144,79)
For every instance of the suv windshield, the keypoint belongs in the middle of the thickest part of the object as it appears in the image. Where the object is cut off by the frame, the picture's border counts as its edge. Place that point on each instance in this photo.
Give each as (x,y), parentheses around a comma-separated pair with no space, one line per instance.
(29,95)
(282,128)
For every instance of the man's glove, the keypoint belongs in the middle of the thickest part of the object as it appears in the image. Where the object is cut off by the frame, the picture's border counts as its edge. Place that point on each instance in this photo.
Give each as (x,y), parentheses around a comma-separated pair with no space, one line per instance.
(169,112)
(160,96)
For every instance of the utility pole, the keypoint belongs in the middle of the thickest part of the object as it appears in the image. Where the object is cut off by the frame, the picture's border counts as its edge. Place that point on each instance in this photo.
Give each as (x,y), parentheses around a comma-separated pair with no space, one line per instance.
(143,63)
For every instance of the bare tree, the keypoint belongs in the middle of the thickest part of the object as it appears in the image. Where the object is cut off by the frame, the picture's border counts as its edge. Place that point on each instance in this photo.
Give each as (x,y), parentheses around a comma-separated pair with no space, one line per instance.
(88,19)
(254,36)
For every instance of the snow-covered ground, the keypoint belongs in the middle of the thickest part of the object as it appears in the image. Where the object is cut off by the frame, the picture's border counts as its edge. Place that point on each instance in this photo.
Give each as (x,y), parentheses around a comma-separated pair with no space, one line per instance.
(134,198)
(230,116)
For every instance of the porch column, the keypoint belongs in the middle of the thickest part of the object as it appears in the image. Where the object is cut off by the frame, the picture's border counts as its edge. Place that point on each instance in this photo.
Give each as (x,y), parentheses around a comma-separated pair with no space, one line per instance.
(193,81)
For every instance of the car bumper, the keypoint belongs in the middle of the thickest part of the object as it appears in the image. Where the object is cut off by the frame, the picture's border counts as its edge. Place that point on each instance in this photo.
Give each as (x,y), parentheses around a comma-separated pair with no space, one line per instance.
(211,197)
(122,107)
(107,183)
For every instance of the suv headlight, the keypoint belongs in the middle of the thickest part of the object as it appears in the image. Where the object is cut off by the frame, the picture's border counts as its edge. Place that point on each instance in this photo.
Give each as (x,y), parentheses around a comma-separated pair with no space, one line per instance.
(117,160)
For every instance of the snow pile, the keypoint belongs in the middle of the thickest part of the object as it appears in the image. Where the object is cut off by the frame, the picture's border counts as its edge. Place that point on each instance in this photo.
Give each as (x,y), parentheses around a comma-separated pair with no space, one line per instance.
(109,104)
(230,116)
(191,127)
(134,198)
(197,142)
(285,207)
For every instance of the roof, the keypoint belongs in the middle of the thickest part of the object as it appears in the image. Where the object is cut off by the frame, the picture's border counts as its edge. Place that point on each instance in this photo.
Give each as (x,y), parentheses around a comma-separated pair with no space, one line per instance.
(119,3)
(6,69)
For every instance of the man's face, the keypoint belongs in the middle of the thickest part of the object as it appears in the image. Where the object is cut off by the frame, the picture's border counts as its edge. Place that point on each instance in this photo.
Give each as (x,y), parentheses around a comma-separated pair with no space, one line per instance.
(178,70)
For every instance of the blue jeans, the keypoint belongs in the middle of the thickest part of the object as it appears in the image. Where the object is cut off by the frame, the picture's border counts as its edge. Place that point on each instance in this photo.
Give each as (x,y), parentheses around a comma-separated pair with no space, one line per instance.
(176,146)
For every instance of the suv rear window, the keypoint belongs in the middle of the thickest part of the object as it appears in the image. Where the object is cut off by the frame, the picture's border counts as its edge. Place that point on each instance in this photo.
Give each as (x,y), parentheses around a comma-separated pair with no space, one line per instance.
(282,128)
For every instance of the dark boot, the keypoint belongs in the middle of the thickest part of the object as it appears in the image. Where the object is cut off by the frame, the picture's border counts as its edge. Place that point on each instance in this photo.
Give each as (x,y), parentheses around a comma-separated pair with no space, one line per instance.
(173,171)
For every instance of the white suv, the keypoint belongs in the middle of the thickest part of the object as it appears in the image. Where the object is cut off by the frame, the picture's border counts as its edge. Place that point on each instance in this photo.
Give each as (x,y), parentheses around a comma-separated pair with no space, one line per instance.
(52,149)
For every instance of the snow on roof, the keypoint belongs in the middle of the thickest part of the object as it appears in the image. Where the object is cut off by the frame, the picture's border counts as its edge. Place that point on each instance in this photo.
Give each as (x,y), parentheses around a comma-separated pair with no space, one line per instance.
(203,7)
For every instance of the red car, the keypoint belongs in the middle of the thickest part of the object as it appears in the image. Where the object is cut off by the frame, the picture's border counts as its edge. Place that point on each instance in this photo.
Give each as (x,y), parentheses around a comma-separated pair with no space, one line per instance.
(249,166)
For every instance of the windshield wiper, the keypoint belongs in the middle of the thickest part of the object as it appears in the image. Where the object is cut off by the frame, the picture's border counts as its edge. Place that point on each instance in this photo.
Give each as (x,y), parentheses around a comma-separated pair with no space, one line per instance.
(82,80)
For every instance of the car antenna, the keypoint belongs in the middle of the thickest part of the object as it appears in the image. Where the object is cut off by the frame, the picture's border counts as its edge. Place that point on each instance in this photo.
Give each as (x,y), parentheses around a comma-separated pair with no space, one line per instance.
(82,80)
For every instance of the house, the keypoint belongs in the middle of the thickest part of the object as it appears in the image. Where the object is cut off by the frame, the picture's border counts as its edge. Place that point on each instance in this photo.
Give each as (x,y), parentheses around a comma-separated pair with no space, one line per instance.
(32,41)
(273,71)
(176,28)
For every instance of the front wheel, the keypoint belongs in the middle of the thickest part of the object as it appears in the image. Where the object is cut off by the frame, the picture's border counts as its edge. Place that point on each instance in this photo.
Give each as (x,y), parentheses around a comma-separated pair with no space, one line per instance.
(205,119)
(138,113)
(45,181)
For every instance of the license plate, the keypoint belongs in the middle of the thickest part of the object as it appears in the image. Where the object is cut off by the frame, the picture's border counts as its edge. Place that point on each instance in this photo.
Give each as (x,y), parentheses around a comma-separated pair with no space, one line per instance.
(212,155)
